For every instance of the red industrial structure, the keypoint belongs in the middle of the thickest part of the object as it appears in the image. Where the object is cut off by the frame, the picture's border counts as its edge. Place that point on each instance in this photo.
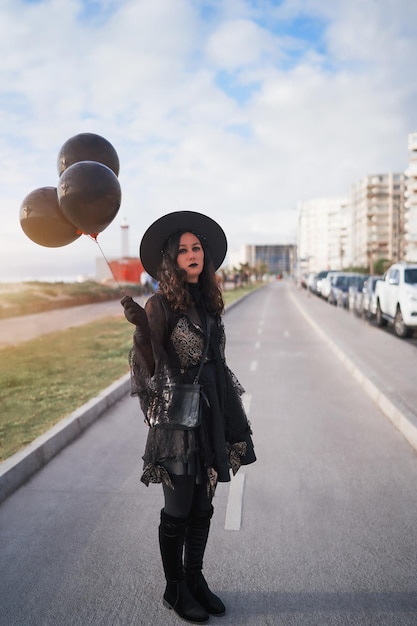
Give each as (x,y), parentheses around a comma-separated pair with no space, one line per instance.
(126,270)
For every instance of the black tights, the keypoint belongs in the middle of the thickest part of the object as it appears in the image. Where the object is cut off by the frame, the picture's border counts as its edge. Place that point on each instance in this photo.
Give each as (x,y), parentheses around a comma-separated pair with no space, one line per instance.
(186,496)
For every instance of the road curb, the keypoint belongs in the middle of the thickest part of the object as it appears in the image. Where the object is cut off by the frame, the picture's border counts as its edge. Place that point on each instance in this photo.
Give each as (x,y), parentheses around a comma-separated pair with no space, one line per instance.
(399,416)
(17,469)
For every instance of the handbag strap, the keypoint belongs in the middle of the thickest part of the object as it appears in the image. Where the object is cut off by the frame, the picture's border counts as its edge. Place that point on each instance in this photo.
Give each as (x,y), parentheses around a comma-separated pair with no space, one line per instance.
(206,347)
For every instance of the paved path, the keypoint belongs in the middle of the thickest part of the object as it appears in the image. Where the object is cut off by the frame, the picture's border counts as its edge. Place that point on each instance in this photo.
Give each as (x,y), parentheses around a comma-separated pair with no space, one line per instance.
(17,329)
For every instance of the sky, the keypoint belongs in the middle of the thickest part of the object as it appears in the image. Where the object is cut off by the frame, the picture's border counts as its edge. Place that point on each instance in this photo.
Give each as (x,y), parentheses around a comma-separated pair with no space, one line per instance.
(239,109)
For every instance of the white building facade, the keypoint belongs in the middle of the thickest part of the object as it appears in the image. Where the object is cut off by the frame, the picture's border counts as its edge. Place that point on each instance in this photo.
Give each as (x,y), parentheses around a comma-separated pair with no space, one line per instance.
(377,213)
(410,216)
(378,220)
(323,235)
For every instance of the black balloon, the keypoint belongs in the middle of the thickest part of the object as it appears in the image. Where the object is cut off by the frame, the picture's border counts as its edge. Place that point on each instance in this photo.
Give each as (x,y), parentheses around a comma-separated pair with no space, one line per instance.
(89,196)
(42,220)
(88,147)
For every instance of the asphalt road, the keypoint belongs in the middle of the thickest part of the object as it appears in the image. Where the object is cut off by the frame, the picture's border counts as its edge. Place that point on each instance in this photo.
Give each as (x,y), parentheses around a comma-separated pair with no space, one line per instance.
(325,520)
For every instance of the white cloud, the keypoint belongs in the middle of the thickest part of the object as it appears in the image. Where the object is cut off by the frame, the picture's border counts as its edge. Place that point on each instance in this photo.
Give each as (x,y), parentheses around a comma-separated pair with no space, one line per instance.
(238,43)
(238,112)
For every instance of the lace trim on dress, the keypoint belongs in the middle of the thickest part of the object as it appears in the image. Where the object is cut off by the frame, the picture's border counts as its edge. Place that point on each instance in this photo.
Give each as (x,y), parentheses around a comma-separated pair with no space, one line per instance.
(156,474)
(212,481)
(236,452)
(235,382)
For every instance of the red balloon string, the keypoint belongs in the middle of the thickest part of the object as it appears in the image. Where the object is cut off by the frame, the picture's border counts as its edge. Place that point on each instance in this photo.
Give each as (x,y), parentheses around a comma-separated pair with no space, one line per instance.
(94,238)
(91,235)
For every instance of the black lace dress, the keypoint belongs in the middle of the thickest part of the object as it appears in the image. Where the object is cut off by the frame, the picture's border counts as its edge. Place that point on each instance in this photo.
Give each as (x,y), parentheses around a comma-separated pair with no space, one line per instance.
(223,441)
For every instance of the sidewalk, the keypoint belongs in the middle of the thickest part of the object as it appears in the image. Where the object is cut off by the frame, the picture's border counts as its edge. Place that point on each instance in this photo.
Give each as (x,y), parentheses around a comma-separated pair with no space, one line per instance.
(384,365)
(16,329)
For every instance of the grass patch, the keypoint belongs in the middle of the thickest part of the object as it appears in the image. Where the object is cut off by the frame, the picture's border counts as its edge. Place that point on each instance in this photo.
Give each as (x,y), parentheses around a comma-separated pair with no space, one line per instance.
(45,379)
(36,297)
(234,294)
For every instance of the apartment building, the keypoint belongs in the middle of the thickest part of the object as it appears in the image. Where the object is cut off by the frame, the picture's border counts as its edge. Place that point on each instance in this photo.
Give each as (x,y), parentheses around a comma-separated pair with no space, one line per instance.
(276,258)
(323,234)
(378,220)
(410,216)
(377,212)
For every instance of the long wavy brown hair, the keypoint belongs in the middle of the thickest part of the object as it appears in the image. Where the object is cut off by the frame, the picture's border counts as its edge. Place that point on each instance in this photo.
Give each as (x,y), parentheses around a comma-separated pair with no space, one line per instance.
(173,280)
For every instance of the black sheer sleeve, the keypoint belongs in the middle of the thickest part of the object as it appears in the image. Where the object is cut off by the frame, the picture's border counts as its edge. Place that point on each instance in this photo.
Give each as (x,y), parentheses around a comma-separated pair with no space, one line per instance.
(148,362)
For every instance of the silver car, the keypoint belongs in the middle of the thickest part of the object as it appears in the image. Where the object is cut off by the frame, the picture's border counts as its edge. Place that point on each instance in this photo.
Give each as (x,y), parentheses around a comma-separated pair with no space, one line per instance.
(326,284)
(368,296)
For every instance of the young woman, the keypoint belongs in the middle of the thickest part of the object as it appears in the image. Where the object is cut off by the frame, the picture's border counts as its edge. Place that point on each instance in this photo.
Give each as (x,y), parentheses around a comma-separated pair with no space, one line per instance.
(182,250)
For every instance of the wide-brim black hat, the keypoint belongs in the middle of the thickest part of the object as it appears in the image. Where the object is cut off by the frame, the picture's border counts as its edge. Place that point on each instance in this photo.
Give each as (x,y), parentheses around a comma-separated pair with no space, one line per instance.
(206,229)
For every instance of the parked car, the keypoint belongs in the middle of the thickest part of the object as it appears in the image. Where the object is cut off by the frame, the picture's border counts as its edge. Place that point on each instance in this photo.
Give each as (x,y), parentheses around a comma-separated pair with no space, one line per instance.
(352,282)
(320,277)
(312,282)
(326,284)
(368,305)
(357,305)
(354,299)
(339,284)
(396,299)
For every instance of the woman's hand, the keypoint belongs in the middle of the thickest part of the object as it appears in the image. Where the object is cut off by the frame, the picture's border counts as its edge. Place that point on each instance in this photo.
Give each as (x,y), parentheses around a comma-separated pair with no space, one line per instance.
(135,314)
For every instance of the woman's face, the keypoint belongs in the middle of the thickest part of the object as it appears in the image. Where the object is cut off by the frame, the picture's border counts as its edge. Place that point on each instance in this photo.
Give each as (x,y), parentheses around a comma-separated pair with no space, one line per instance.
(190,256)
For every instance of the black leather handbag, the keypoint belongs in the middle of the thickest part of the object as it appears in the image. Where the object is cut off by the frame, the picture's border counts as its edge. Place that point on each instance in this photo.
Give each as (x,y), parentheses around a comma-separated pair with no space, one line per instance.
(182,402)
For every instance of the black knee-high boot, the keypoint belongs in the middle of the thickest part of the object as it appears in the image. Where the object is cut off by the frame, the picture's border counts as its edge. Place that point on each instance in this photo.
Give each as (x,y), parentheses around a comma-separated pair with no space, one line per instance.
(196,535)
(177,595)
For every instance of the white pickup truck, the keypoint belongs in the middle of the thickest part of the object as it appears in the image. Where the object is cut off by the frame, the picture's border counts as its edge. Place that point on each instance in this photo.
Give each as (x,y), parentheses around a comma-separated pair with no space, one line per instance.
(396,299)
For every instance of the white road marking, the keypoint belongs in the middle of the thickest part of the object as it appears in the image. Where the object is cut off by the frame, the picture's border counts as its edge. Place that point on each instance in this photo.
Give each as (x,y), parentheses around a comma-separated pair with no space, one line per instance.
(257,345)
(286,334)
(233,519)
(259,331)
(246,400)
(253,366)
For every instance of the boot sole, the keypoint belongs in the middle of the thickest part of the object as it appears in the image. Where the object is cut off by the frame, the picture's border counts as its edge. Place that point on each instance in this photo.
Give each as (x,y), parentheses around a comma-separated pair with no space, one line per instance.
(216,614)
(190,621)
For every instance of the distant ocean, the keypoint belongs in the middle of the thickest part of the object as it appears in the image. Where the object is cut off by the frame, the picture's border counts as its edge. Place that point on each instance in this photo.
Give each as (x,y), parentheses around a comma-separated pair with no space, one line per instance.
(47,279)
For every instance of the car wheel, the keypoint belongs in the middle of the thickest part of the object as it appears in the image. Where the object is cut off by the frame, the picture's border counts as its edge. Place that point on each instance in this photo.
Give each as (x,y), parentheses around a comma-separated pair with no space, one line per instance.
(401,330)
(379,320)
